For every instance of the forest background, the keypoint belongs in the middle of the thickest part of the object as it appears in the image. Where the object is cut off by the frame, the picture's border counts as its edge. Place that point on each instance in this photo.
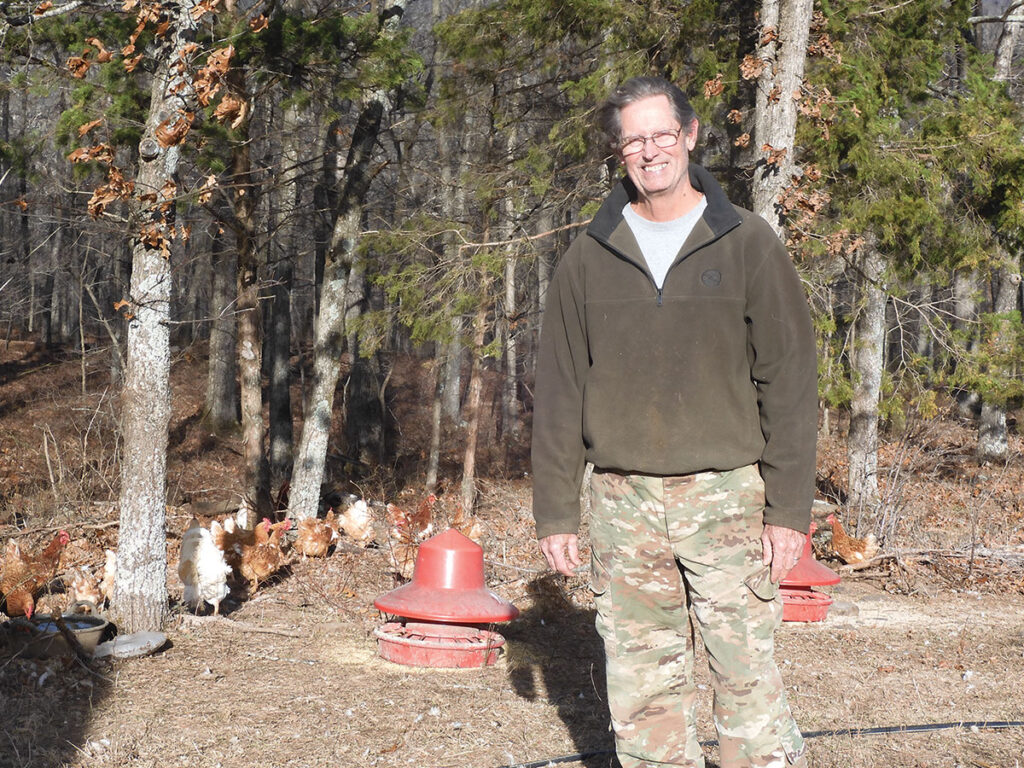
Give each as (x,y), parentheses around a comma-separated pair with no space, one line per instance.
(316,193)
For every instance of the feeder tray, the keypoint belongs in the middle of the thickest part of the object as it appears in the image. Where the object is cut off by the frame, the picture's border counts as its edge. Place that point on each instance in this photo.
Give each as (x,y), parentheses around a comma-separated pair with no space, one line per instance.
(422,644)
(804,604)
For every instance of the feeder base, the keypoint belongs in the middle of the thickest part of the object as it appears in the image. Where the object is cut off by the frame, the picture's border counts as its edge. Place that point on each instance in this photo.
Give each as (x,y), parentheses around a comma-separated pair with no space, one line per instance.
(804,604)
(422,644)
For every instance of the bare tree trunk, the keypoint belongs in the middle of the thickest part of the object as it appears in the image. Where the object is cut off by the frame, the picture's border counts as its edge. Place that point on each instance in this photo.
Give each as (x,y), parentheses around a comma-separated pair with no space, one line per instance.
(250,339)
(965,313)
(140,590)
(329,336)
(993,441)
(867,356)
(364,415)
(434,454)
(473,400)
(222,403)
(279,348)
(785,26)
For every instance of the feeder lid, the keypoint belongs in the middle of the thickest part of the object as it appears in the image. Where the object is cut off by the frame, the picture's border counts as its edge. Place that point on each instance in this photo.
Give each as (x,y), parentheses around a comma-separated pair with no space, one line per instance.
(448,585)
(808,572)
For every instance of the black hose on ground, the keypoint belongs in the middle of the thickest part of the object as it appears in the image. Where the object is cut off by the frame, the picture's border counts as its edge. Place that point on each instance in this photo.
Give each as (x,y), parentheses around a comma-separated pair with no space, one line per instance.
(875,731)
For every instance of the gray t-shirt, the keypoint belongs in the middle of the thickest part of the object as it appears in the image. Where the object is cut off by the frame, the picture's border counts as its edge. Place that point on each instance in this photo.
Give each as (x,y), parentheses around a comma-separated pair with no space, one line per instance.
(660,241)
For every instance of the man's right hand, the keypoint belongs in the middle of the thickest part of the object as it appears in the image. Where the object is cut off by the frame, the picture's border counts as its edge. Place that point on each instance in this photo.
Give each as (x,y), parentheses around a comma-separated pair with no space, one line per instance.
(562,552)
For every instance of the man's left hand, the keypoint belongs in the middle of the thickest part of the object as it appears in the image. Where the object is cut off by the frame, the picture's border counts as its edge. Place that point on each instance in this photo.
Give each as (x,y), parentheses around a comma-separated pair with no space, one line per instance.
(782,547)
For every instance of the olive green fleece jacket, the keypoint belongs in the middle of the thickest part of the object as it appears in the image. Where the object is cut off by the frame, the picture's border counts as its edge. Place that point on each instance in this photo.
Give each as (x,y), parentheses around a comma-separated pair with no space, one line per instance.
(715,371)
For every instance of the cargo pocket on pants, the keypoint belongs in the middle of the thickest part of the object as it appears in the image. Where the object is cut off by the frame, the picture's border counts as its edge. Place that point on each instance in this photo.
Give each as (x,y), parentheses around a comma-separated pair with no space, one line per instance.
(760,583)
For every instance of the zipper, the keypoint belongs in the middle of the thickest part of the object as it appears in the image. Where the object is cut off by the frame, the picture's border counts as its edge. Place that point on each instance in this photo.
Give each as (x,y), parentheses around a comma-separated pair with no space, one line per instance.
(659,297)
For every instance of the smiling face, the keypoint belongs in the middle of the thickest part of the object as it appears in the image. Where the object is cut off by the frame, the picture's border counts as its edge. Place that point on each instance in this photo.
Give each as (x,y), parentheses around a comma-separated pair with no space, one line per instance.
(660,174)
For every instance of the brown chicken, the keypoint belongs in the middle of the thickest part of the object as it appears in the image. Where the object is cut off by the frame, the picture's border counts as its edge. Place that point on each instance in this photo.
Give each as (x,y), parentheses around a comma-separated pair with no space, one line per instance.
(412,526)
(849,549)
(259,561)
(315,536)
(24,575)
(85,587)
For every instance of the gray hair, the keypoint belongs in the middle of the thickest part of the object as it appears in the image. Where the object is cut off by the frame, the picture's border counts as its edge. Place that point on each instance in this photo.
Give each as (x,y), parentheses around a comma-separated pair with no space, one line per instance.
(636,89)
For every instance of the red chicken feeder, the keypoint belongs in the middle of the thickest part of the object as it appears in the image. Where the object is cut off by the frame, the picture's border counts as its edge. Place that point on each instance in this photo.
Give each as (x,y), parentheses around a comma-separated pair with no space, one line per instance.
(799,601)
(446,593)
(421,644)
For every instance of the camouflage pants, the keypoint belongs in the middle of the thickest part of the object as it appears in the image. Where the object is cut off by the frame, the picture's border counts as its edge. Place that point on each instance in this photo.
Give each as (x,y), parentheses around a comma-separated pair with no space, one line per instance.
(660,545)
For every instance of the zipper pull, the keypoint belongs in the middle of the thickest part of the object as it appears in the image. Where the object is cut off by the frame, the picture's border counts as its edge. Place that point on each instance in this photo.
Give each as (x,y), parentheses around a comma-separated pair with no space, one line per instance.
(659,297)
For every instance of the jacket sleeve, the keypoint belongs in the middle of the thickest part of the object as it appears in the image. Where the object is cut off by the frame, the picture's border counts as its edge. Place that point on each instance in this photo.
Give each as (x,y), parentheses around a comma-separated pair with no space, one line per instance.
(557,449)
(784,370)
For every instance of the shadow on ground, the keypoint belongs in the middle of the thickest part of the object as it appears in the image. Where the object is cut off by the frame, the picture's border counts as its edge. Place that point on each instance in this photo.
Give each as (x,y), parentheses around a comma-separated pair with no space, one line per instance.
(45,708)
(555,654)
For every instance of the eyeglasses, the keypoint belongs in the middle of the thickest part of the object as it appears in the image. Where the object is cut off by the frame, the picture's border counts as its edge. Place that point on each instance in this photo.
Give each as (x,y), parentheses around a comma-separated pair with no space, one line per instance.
(632,145)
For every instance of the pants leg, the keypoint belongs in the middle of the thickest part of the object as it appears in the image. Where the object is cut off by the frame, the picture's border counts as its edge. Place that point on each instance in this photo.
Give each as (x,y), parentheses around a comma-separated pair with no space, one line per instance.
(642,617)
(715,522)
(642,530)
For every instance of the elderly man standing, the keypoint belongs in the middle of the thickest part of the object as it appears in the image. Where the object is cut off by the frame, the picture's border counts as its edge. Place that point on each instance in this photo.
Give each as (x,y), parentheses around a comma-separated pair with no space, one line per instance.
(678,356)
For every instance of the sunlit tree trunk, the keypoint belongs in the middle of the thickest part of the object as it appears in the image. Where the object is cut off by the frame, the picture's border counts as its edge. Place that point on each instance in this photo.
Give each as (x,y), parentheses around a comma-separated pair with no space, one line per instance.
(785,26)
(867,356)
(140,590)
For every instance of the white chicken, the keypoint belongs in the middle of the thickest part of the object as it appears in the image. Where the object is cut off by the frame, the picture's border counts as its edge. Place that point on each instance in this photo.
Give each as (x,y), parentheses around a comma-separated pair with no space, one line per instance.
(202,568)
(357,523)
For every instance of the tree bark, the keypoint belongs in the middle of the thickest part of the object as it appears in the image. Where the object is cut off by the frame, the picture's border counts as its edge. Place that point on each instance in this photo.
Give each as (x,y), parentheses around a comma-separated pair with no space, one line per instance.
(867,356)
(993,440)
(222,403)
(140,589)
(329,336)
(279,348)
(473,400)
(250,321)
(785,26)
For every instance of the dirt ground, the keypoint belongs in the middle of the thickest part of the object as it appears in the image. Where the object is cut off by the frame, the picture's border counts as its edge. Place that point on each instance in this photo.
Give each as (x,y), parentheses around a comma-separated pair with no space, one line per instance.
(931,635)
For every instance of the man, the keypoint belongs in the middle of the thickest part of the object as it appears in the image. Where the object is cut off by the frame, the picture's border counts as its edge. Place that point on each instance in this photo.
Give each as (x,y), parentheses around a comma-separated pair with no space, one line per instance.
(677,355)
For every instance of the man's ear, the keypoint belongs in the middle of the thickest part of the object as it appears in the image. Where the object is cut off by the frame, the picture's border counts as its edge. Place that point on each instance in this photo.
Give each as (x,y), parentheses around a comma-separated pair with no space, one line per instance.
(691,135)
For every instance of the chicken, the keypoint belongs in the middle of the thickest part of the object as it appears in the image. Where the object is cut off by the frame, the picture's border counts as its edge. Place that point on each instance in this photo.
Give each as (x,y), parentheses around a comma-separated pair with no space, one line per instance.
(403,558)
(849,549)
(84,588)
(202,568)
(412,526)
(109,574)
(315,536)
(468,525)
(24,575)
(265,556)
(357,523)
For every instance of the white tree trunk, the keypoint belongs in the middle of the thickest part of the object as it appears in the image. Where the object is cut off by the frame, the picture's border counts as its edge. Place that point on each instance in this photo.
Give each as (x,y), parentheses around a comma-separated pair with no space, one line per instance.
(867,358)
(140,589)
(785,26)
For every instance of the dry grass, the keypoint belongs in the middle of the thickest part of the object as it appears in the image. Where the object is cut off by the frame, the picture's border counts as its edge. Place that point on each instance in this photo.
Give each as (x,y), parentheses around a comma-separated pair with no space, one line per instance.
(292,678)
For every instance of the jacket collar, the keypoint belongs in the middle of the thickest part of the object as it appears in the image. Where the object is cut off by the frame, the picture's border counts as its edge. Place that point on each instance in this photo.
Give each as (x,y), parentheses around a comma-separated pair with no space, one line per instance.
(720,216)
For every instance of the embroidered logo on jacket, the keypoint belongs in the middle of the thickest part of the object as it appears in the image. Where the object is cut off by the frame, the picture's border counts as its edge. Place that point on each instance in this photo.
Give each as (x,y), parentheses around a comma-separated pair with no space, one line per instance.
(711,277)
